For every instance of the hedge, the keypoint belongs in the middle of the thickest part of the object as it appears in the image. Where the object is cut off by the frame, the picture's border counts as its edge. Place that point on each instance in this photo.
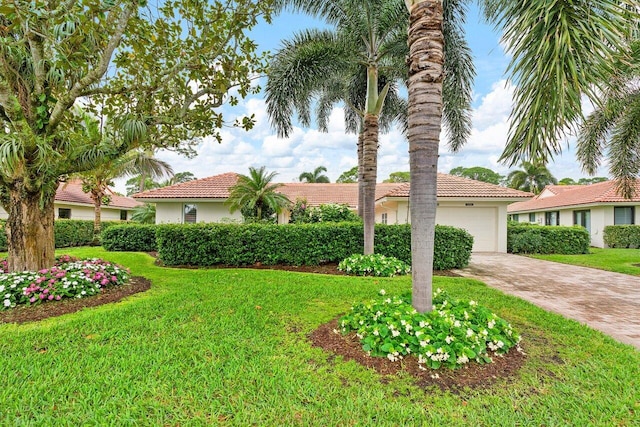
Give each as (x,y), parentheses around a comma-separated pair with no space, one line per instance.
(539,239)
(67,232)
(622,236)
(130,237)
(298,244)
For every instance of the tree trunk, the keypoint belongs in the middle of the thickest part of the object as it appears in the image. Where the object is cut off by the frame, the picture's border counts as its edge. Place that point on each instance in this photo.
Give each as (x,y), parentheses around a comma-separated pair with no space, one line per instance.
(360,171)
(369,176)
(97,217)
(426,58)
(30,238)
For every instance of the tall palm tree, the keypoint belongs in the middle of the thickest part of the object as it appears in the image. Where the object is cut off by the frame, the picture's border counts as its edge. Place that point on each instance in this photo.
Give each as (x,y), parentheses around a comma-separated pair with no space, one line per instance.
(315,176)
(257,191)
(559,52)
(368,38)
(532,177)
(612,130)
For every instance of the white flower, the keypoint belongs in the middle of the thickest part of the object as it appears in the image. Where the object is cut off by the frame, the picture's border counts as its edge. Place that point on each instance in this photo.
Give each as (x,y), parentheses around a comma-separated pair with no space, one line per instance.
(2,288)
(7,303)
(388,301)
(472,303)
(469,333)
(462,360)
(395,332)
(375,332)
(423,343)
(491,323)
(500,344)
(382,292)
(7,295)
(449,339)
(457,323)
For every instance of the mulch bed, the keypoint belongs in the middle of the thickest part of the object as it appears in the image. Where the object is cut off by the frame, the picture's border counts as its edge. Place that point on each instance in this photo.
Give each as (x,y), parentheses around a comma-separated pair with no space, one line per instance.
(23,314)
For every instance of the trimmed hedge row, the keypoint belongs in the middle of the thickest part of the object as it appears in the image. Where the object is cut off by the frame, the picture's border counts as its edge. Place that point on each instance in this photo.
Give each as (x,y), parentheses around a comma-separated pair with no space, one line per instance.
(622,236)
(537,239)
(67,232)
(130,237)
(295,244)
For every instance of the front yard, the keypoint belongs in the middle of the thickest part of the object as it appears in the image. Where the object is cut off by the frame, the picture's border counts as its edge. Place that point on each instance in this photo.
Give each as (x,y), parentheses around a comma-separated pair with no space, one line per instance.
(626,261)
(231,347)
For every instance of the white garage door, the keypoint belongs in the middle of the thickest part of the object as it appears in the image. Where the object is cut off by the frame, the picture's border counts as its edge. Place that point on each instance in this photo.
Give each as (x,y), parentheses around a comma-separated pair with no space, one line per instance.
(480,222)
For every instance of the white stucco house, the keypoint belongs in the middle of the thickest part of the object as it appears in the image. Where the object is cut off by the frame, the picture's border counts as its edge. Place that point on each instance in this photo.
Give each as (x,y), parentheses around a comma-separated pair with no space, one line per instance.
(478,207)
(72,203)
(592,206)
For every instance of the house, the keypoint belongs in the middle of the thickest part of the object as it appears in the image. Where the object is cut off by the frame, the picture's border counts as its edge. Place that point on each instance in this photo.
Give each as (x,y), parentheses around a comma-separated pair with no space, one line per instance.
(72,203)
(478,207)
(592,206)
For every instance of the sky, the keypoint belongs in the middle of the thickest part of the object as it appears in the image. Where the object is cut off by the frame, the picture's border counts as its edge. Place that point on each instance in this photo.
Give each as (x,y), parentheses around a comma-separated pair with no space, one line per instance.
(307,148)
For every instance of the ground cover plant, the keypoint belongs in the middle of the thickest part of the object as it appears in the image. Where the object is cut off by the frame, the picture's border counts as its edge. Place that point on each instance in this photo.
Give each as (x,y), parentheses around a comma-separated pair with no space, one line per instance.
(70,277)
(232,347)
(452,335)
(626,261)
(373,265)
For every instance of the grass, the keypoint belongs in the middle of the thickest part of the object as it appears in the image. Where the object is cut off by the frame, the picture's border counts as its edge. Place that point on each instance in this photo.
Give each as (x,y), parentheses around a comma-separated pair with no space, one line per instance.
(617,260)
(229,347)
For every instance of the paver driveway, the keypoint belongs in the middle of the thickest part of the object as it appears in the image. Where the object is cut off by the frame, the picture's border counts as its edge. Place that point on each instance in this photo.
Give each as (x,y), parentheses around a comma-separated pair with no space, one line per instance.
(606,301)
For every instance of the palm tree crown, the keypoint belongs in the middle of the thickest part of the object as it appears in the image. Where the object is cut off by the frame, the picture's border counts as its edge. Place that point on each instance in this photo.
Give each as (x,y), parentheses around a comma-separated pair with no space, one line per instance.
(257,191)
(533,177)
(314,177)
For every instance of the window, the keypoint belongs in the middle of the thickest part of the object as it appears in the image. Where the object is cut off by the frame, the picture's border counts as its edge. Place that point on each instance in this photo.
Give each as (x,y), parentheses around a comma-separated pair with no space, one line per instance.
(384,218)
(515,217)
(123,215)
(64,213)
(552,218)
(190,214)
(582,218)
(532,217)
(624,215)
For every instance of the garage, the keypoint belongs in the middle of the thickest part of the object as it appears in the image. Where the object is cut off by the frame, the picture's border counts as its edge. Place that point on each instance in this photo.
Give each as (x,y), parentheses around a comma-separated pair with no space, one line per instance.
(480,222)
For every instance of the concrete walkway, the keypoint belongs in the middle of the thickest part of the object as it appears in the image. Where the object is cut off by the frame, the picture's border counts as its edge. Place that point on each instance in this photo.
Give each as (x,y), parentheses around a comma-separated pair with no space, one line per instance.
(608,302)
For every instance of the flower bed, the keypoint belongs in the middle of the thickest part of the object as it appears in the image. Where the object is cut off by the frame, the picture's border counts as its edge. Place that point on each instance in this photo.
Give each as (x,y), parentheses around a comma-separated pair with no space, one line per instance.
(373,265)
(452,335)
(68,278)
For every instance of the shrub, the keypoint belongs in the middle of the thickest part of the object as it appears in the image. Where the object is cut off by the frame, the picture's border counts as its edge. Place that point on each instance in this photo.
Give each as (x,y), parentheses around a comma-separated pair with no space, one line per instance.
(373,265)
(622,236)
(67,232)
(331,212)
(130,237)
(298,244)
(452,335)
(68,278)
(538,239)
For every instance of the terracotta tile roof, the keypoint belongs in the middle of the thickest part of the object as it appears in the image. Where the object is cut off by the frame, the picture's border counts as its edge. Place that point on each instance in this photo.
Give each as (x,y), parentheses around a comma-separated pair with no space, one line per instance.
(213,187)
(455,186)
(603,192)
(71,192)
(217,187)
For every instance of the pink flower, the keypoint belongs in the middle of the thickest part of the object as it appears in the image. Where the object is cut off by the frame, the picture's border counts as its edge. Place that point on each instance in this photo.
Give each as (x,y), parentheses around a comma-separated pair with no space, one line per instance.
(32,299)
(50,298)
(43,296)
(114,279)
(43,271)
(58,297)
(104,282)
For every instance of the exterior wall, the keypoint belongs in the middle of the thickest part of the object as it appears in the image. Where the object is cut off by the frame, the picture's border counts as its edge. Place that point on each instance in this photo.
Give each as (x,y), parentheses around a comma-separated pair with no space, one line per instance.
(172,212)
(81,212)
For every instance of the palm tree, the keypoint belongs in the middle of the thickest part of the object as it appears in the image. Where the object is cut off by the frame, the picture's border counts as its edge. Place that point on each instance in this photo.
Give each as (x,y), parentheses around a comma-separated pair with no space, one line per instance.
(559,53)
(314,177)
(358,64)
(612,128)
(533,177)
(145,214)
(256,191)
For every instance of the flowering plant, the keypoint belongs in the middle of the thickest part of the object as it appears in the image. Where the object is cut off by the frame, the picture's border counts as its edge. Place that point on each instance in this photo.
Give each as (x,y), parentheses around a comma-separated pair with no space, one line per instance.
(451,335)
(68,278)
(373,265)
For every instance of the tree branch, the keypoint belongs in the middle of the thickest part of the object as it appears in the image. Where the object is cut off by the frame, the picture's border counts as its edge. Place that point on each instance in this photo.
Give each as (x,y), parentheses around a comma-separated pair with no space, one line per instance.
(94,75)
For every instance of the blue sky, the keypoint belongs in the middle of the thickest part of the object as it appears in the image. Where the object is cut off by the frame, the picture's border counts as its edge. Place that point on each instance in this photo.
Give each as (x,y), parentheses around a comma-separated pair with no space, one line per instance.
(308,148)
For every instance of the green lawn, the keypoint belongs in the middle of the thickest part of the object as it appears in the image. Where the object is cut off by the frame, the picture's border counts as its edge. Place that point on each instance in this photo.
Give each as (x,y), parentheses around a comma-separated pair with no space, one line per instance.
(229,347)
(618,260)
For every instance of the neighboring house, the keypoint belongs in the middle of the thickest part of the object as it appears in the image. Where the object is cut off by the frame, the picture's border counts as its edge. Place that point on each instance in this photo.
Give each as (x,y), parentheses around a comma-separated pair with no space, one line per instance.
(592,206)
(478,207)
(72,203)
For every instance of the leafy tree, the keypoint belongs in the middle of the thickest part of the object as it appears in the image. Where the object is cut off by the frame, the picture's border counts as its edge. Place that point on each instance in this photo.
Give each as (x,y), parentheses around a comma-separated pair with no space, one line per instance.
(179,178)
(359,62)
(594,180)
(478,173)
(170,67)
(533,177)
(349,176)
(133,183)
(567,181)
(257,191)
(398,177)
(315,176)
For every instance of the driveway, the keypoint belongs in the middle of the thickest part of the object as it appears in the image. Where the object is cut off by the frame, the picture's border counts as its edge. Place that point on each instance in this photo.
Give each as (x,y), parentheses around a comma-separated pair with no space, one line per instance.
(608,302)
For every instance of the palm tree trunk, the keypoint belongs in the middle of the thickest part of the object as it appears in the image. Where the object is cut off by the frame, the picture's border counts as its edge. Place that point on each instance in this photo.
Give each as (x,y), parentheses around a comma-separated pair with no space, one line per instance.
(97,217)
(369,176)
(360,172)
(30,238)
(426,58)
